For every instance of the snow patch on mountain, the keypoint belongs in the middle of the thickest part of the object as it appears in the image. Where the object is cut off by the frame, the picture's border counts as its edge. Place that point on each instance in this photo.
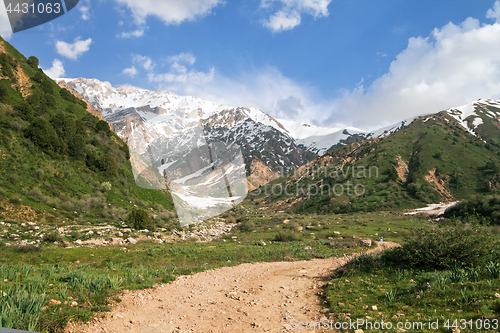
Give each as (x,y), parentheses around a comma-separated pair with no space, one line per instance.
(469,116)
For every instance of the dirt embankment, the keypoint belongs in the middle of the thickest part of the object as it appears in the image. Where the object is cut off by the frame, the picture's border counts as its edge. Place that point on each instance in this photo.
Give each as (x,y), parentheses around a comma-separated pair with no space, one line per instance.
(261,297)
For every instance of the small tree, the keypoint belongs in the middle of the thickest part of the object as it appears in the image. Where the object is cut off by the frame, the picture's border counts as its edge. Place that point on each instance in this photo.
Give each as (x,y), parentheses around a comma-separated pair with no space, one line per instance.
(4,94)
(102,126)
(33,61)
(139,219)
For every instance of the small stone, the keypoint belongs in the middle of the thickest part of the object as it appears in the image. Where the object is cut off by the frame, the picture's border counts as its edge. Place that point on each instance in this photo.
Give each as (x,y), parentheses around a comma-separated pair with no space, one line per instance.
(374,308)
(74,303)
(358,331)
(340,304)
(54,302)
(132,240)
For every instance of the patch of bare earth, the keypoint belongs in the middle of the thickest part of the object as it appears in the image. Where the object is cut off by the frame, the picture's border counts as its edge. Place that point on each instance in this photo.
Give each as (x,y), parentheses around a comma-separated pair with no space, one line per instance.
(402,169)
(260,175)
(260,297)
(439,184)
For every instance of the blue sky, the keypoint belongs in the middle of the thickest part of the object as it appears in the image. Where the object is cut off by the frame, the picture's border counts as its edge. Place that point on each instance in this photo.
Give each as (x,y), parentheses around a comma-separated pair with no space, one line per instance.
(363,63)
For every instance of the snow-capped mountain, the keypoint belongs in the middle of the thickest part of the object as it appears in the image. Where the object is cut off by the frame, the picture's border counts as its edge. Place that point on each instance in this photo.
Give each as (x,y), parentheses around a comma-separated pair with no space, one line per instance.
(161,125)
(478,117)
(166,114)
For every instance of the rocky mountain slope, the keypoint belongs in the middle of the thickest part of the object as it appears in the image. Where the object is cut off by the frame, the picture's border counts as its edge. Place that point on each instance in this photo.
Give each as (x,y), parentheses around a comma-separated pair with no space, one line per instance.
(60,163)
(150,120)
(443,156)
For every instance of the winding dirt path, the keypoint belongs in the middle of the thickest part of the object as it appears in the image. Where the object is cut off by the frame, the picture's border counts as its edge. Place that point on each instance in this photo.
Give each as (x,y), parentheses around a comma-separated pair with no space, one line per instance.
(260,297)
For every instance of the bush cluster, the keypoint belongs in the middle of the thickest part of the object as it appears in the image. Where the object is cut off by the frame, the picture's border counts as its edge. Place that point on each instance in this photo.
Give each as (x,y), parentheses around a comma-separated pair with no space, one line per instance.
(139,219)
(442,248)
(487,207)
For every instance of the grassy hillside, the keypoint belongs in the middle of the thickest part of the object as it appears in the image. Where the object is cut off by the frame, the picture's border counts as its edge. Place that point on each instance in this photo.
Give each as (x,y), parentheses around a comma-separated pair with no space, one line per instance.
(431,160)
(59,162)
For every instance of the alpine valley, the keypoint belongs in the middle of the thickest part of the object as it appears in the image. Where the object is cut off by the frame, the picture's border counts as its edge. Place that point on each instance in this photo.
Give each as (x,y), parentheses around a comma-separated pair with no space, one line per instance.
(101,186)
(436,157)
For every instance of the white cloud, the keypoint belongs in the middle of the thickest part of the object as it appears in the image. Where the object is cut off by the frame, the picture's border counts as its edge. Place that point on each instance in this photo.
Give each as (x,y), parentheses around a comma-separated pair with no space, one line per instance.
(186,58)
(144,61)
(290,12)
(283,21)
(180,79)
(265,88)
(73,51)
(136,33)
(131,71)
(494,13)
(85,9)
(455,65)
(169,11)
(5,27)
(56,71)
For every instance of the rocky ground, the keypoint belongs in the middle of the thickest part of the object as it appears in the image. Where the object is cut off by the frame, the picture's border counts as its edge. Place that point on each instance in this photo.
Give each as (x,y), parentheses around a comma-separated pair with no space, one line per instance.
(260,297)
(75,235)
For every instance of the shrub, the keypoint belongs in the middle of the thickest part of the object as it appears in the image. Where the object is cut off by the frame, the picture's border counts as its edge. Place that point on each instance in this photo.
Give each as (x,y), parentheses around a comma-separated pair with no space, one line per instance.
(442,248)
(52,237)
(4,94)
(15,200)
(35,194)
(488,207)
(230,219)
(25,111)
(108,164)
(43,134)
(246,226)
(362,263)
(139,219)
(158,207)
(76,146)
(38,174)
(286,236)
(106,186)
(27,248)
(103,126)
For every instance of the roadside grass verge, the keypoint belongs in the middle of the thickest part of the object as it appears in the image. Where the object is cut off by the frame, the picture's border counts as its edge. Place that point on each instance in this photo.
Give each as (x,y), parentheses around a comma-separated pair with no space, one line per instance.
(450,275)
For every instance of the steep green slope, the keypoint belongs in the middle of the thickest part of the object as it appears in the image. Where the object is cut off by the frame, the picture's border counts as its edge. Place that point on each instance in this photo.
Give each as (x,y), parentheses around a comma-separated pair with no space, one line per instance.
(431,160)
(59,162)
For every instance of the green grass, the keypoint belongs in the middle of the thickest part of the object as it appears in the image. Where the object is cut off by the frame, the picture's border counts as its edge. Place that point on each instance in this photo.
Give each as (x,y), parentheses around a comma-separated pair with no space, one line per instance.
(404,287)
(414,296)
(63,274)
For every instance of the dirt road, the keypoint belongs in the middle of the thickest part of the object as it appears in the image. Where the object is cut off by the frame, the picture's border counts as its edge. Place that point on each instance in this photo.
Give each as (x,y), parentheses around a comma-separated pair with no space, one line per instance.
(261,297)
